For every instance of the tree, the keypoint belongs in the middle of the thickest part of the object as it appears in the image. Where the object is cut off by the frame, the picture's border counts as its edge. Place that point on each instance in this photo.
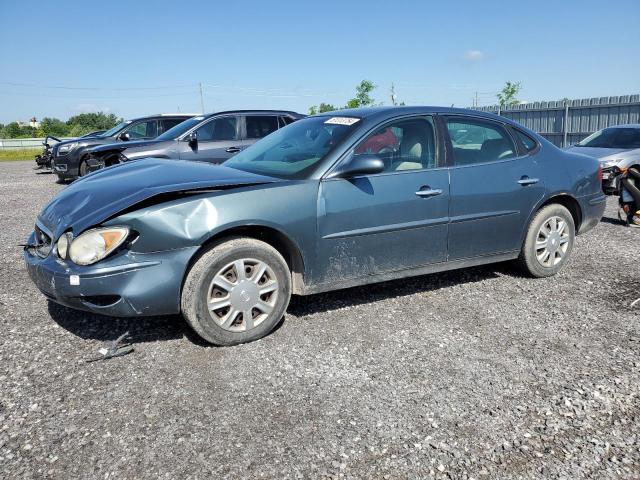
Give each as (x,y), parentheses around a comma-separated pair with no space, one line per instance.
(363,97)
(54,127)
(88,122)
(13,130)
(324,107)
(507,96)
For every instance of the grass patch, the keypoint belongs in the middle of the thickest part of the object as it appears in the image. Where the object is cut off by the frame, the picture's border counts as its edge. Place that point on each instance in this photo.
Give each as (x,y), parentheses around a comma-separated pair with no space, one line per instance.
(9,155)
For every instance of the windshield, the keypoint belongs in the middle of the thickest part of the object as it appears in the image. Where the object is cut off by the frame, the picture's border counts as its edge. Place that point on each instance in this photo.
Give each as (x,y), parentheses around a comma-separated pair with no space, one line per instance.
(114,130)
(181,128)
(294,150)
(613,138)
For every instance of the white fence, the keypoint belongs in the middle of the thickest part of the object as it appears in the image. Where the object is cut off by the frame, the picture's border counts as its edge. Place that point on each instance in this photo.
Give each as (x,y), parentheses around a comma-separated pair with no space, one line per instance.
(24,143)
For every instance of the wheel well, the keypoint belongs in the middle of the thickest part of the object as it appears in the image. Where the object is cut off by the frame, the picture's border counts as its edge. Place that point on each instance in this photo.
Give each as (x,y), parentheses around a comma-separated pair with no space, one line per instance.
(283,244)
(570,204)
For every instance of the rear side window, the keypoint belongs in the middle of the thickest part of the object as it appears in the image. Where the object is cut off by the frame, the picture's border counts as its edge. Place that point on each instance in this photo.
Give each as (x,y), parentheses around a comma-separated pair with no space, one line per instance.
(284,121)
(219,129)
(528,143)
(261,125)
(477,141)
(168,123)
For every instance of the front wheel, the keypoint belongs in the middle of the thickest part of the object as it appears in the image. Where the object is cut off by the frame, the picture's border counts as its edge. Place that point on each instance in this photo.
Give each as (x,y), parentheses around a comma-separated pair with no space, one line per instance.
(236,292)
(84,168)
(549,241)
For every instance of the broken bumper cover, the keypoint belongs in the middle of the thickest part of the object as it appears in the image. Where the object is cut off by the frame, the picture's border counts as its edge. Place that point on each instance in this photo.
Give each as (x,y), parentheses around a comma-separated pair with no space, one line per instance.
(126,285)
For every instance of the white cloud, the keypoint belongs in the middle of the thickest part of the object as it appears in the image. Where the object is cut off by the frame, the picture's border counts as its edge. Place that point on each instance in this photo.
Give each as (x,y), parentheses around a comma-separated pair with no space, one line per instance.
(474,55)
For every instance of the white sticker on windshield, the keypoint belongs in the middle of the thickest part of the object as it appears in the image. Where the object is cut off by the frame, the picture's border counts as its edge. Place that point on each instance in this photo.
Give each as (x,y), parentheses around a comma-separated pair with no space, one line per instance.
(342,120)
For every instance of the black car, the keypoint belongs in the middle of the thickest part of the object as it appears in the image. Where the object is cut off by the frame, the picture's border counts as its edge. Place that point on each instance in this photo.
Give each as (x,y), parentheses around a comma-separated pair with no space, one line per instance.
(70,157)
(213,138)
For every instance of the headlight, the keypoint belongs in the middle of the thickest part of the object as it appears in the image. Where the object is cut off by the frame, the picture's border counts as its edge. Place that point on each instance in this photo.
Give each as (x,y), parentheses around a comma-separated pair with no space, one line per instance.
(96,244)
(63,245)
(64,149)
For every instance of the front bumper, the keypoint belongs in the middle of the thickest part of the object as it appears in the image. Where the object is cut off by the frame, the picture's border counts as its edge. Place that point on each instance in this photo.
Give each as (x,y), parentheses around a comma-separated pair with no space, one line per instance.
(128,284)
(65,166)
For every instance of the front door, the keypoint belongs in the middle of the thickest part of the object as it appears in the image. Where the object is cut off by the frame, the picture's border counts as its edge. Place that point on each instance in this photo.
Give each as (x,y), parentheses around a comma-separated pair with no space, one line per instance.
(493,190)
(217,141)
(389,221)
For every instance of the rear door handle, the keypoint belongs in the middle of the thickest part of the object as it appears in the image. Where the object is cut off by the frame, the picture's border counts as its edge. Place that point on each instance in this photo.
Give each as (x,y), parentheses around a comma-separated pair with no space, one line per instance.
(233,149)
(429,192)
(524,181)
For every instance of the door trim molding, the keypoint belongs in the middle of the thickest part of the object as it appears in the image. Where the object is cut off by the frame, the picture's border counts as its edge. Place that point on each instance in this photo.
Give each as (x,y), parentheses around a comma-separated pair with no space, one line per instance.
(388,228)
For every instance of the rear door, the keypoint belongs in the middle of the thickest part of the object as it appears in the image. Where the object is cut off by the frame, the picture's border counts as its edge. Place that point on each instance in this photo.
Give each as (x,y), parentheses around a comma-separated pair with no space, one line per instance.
(393,220)
(257,127)
(494,188)
(217,141)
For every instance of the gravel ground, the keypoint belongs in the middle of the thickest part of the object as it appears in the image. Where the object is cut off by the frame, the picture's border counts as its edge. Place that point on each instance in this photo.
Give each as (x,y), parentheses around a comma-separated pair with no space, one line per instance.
(468,374)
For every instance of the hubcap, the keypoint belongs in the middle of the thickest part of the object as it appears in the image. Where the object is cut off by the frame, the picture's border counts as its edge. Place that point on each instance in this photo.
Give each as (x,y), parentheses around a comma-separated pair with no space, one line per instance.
(242,294)
(552,242)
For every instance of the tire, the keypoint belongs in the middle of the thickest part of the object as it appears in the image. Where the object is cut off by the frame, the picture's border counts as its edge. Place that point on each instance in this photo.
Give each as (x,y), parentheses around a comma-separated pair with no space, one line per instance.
(83,168)
(533,258)
(242,292)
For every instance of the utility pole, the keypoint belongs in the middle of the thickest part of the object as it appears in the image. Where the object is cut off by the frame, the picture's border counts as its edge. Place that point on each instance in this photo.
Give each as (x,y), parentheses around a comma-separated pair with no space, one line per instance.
(475,101)
(201,98)
(394,99)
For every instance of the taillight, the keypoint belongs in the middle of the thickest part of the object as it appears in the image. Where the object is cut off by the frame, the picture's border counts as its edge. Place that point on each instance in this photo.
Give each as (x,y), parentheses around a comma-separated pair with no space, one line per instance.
(600,172)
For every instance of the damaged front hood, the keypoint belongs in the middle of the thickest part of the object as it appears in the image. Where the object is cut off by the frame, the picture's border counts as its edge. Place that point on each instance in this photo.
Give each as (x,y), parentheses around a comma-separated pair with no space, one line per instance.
(99,196)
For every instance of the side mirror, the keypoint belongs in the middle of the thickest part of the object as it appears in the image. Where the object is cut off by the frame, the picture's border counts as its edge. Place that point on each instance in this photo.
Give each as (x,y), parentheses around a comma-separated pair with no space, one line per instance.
(124,136)
(365,164)
(192,139)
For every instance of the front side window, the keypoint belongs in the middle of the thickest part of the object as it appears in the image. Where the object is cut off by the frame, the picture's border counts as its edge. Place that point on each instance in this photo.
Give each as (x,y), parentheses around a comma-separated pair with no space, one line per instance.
(146,129)
(295,150)
(403,145)
(111,132)
(219,129)
(477,141)
(259,126)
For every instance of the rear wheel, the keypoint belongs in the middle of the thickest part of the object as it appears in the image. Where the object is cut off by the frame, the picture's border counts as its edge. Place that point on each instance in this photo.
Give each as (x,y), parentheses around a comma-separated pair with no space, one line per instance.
(236,292)
(549,241)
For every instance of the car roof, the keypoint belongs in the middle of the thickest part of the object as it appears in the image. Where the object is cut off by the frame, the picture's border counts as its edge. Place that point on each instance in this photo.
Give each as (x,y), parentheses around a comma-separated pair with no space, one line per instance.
(244,112)
(185,115)
(383,113)
(365,112)
(626,125)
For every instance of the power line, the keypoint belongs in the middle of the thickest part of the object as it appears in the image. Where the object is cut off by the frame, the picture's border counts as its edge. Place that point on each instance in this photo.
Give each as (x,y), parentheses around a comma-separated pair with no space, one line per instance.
(65,87)
(94,97)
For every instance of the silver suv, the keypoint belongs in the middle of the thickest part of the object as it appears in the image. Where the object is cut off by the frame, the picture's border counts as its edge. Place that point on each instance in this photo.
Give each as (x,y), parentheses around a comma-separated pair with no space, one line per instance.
(617,148)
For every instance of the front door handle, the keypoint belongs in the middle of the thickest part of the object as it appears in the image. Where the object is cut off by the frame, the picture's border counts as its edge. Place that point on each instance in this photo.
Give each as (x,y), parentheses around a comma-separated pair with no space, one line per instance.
(524,181)
(426,192)
(233,149)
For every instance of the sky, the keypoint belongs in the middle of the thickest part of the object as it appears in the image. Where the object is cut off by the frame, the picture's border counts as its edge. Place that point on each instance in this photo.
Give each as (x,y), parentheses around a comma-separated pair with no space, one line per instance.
(58,59)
